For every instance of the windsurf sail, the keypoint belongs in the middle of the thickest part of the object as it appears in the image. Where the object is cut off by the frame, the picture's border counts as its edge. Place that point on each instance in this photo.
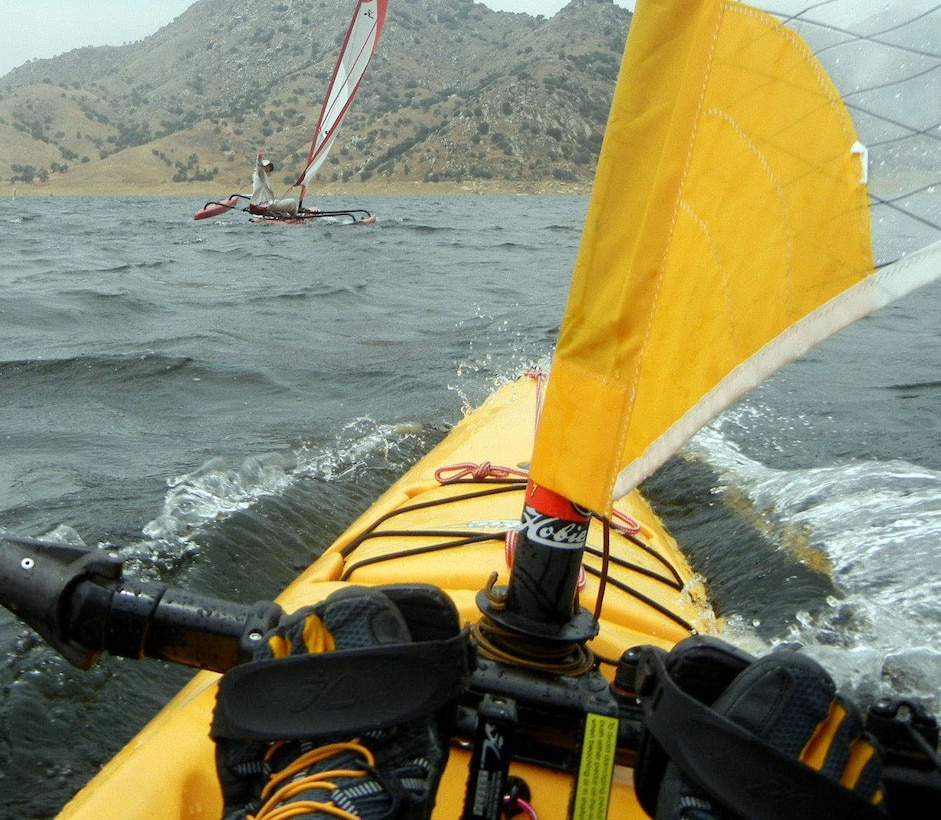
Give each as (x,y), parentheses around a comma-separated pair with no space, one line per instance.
(728,232)
(359,45)
(358,48)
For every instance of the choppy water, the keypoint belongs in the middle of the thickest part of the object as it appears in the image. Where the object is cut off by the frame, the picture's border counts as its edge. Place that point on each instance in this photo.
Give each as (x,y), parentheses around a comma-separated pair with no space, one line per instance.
(218,401)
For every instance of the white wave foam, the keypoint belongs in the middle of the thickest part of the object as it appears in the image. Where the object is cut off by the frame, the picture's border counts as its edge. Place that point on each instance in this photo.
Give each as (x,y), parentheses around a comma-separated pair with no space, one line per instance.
(879,525)
(357,447)
(215,491)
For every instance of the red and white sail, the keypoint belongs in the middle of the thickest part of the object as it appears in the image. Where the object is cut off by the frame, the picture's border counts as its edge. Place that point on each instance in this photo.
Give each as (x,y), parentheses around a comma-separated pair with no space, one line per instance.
(358,48)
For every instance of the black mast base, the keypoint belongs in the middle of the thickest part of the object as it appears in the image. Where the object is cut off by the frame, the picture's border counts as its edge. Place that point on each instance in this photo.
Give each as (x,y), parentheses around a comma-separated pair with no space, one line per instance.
(580,628)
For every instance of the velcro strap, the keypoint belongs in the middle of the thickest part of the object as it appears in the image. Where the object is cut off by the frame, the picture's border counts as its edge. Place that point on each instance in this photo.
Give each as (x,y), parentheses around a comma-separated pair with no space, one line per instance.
(343,692)
(734,766)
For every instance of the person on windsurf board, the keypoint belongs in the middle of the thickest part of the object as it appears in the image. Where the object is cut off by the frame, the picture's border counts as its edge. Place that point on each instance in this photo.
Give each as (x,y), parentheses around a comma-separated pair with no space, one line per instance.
(263,200)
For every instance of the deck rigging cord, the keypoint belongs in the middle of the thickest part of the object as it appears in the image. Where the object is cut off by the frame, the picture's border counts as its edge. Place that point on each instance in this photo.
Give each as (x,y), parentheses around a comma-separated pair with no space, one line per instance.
(506,479)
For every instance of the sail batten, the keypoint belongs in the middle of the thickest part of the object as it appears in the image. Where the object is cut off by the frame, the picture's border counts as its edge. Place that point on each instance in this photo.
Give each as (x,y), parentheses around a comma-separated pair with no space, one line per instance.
(728,231)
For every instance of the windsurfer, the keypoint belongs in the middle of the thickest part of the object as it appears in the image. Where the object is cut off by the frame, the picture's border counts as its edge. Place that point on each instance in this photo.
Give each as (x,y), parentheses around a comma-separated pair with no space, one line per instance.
(263,199)
(778,727)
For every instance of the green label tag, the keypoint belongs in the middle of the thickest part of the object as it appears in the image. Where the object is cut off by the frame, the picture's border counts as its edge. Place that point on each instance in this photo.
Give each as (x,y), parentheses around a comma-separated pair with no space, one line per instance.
(596,768)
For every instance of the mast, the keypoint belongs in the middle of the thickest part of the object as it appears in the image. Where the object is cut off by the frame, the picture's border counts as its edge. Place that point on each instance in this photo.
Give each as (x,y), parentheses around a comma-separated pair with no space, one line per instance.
(538,612)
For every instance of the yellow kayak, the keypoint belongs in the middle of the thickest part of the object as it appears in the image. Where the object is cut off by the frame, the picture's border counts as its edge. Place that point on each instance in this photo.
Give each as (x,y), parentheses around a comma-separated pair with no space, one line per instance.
(427,528)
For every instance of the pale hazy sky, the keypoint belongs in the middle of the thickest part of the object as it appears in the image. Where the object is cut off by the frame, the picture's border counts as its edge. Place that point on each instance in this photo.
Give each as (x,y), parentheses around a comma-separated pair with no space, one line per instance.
(46,28)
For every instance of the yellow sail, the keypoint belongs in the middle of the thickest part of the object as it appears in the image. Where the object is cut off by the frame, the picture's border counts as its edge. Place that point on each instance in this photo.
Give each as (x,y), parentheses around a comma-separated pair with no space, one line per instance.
(729,210)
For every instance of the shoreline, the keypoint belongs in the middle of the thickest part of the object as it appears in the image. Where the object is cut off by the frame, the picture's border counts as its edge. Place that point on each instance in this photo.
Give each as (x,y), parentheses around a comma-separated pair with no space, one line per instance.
(205,191)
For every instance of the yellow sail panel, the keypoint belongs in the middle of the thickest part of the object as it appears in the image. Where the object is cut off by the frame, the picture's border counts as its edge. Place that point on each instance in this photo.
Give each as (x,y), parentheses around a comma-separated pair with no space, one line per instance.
(728,205)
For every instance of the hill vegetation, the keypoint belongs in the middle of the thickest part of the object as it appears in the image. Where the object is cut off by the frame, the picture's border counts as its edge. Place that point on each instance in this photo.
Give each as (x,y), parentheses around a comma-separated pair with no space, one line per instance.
(457,95)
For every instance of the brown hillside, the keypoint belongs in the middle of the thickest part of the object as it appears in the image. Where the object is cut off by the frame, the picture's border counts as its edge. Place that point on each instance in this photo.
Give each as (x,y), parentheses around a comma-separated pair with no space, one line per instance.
(457,95)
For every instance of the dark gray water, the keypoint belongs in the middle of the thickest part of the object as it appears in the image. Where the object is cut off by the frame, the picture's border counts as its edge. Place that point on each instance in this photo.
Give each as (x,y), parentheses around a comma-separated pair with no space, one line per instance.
(217,401)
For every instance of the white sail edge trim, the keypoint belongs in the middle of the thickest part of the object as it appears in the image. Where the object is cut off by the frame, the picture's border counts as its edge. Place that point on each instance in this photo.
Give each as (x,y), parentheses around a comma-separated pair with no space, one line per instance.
(874,292)
(908,274)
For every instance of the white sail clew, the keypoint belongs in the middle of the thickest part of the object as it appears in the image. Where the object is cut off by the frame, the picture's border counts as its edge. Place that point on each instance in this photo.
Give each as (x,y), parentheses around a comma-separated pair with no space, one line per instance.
(358,48)
(728,232)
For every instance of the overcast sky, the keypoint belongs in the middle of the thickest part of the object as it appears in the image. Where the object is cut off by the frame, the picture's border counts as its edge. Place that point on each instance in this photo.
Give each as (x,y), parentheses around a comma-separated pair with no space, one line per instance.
(45,28)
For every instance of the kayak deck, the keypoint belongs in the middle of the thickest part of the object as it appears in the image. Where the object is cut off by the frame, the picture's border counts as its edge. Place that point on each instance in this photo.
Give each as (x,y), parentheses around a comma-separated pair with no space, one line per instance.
(443,523)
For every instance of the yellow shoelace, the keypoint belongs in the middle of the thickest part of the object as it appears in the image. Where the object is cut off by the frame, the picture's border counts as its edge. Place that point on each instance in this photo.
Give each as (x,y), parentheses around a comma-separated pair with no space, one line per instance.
(276,790)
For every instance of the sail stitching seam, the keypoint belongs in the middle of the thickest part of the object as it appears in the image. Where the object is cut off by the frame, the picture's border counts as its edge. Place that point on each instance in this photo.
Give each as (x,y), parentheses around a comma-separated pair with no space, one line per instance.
(625,418)
(827,90)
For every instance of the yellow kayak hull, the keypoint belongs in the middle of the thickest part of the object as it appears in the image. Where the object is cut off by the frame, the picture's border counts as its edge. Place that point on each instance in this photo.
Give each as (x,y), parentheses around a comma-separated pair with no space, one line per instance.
(168,769)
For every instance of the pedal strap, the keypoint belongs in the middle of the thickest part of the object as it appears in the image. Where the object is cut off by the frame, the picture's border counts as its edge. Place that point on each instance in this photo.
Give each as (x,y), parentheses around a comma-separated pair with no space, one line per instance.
(344,692)
(734,766)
